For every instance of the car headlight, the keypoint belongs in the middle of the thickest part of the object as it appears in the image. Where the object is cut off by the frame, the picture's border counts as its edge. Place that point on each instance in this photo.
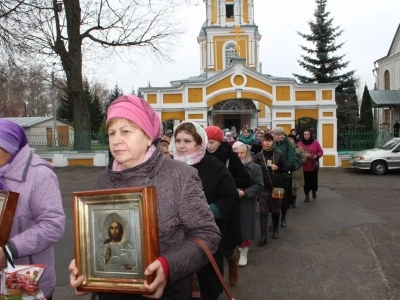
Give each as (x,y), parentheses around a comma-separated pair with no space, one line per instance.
(362,157)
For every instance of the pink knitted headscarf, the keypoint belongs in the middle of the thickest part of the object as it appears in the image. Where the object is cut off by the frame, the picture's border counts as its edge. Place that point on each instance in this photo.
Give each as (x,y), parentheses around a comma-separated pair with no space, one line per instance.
(138,111)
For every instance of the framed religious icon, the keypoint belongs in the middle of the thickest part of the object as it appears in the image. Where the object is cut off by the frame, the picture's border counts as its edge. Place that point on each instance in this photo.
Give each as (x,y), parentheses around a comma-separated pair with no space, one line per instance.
(116,238)
(8,205)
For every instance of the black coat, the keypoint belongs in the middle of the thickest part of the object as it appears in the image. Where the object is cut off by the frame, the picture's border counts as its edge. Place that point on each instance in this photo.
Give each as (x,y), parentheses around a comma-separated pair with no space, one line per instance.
(242,180)
(269,176)
(220,190)
(218,186)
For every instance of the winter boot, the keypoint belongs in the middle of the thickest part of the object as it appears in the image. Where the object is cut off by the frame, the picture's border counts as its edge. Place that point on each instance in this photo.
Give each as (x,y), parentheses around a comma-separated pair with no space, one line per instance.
(294,201)
(314,195)
(243,256)
(307,199)
(263,226)
(283,217)
(270,227)
(232,269)
(275,220)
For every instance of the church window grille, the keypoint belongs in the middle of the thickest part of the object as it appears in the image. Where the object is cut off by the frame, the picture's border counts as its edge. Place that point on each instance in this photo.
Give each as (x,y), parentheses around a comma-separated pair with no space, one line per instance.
(229,11)
(230,52)
(386,77)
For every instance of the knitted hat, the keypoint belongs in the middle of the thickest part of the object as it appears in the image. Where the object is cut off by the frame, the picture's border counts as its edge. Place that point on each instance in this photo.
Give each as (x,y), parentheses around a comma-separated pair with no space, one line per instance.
(214,133)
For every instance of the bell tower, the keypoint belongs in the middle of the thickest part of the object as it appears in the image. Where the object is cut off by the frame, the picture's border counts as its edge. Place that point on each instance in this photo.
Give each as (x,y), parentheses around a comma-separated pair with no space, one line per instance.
(228,32)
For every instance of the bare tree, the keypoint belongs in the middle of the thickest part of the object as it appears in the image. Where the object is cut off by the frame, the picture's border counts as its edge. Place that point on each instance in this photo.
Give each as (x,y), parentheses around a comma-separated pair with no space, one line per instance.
(8,8)
(70,30)
(25,91)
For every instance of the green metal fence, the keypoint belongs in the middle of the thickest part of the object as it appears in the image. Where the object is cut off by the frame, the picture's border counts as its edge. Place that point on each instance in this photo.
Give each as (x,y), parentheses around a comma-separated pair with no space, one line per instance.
(43,143)
(347,141)
(361,139)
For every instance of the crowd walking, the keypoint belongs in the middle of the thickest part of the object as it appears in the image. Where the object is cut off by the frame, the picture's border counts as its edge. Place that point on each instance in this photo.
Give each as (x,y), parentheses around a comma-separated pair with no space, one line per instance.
(237,172)
(210,183)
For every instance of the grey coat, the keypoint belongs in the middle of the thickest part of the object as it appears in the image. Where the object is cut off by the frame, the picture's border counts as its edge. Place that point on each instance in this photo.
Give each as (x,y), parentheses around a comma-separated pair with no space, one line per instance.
(183,213)
(249,202)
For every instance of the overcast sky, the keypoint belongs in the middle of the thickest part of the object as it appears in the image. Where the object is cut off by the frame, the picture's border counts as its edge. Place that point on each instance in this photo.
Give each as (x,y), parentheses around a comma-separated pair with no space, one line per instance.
(369,27)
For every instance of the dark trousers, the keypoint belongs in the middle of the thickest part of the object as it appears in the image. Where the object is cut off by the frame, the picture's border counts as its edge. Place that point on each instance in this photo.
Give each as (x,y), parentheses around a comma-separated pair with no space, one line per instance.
(311,181)
(287,198)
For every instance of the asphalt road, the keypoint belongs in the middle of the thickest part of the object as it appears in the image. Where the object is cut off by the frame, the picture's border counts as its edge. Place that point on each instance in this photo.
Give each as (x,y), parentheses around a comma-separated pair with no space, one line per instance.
(344,245)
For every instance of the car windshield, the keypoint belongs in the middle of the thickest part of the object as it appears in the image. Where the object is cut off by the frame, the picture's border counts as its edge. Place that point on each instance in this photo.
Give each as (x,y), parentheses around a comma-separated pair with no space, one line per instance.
(391,144)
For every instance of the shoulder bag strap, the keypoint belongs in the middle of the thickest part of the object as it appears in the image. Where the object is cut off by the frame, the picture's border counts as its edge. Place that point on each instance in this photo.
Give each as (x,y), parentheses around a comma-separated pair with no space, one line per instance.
(269,176)
(214,264)
(194,288)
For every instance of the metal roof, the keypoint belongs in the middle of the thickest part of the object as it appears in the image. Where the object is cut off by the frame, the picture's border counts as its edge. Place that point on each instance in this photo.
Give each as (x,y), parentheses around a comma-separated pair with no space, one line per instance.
(385,98)
(27,122)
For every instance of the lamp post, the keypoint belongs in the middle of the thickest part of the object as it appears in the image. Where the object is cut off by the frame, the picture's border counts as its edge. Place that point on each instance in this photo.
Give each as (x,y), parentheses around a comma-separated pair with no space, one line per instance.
(53,93)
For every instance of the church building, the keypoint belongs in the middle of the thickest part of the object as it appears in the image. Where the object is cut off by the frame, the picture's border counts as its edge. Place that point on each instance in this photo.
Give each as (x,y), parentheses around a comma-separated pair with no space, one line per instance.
(232,90)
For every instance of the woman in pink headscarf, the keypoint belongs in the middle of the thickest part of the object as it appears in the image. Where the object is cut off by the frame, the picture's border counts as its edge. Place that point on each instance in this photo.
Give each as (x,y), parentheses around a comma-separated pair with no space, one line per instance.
(134,132)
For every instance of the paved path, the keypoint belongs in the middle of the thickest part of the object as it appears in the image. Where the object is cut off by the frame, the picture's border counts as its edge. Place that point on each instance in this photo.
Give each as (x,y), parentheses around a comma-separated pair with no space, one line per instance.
(344,245)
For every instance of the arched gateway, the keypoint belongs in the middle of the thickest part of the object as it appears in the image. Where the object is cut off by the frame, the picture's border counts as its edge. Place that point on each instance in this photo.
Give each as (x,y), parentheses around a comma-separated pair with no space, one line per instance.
(232,89)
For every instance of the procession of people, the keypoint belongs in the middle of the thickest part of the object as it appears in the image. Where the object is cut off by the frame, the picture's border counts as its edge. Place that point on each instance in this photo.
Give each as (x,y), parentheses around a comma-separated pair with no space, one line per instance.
(211,182)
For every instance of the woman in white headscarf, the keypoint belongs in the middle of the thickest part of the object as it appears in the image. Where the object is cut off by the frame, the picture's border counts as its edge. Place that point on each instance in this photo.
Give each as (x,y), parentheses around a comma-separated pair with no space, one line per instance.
(189,145)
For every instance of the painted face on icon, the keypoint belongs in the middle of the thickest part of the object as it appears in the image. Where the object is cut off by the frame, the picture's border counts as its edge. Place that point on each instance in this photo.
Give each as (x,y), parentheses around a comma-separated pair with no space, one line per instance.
(115,231)
(185,144)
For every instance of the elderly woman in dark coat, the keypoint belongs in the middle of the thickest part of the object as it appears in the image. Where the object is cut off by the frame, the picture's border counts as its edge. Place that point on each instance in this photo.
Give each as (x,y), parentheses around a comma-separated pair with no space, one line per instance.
(248,202)
(183,213)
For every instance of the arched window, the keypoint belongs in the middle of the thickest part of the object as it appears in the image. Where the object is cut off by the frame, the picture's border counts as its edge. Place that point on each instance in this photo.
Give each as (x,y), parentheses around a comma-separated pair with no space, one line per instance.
(386,77)
(230,52)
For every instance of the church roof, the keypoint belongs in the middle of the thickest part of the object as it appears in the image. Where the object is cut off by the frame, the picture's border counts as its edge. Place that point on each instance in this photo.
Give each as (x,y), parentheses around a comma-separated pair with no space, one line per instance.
(28,122)
(395,41)
(385,98)
(393,45)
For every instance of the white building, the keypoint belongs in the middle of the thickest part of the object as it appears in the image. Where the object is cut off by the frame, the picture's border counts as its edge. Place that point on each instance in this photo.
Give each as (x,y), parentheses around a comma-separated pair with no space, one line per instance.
(386,96)
(46,132)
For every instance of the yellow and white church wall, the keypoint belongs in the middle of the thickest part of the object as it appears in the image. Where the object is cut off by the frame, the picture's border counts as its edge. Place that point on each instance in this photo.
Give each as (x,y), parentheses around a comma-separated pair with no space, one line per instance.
(284,100)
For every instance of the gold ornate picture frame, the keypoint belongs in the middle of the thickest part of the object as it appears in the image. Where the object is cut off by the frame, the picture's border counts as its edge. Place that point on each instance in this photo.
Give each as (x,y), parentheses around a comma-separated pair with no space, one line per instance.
(116,238)
(8,206)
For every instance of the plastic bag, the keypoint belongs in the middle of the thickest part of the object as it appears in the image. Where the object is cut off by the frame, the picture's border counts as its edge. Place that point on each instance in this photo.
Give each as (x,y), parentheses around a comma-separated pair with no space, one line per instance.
(21,283)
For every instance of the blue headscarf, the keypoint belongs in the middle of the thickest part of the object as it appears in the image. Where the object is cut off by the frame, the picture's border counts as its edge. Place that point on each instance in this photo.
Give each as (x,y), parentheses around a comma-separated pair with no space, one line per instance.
(12,139)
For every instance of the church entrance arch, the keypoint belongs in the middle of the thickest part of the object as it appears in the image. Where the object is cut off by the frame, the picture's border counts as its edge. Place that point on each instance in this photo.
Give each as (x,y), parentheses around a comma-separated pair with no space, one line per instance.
(307,124)
(234,112)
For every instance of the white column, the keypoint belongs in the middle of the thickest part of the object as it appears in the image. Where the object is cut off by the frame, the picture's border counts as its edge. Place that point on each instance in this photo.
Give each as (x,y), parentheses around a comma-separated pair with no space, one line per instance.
(251,12)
